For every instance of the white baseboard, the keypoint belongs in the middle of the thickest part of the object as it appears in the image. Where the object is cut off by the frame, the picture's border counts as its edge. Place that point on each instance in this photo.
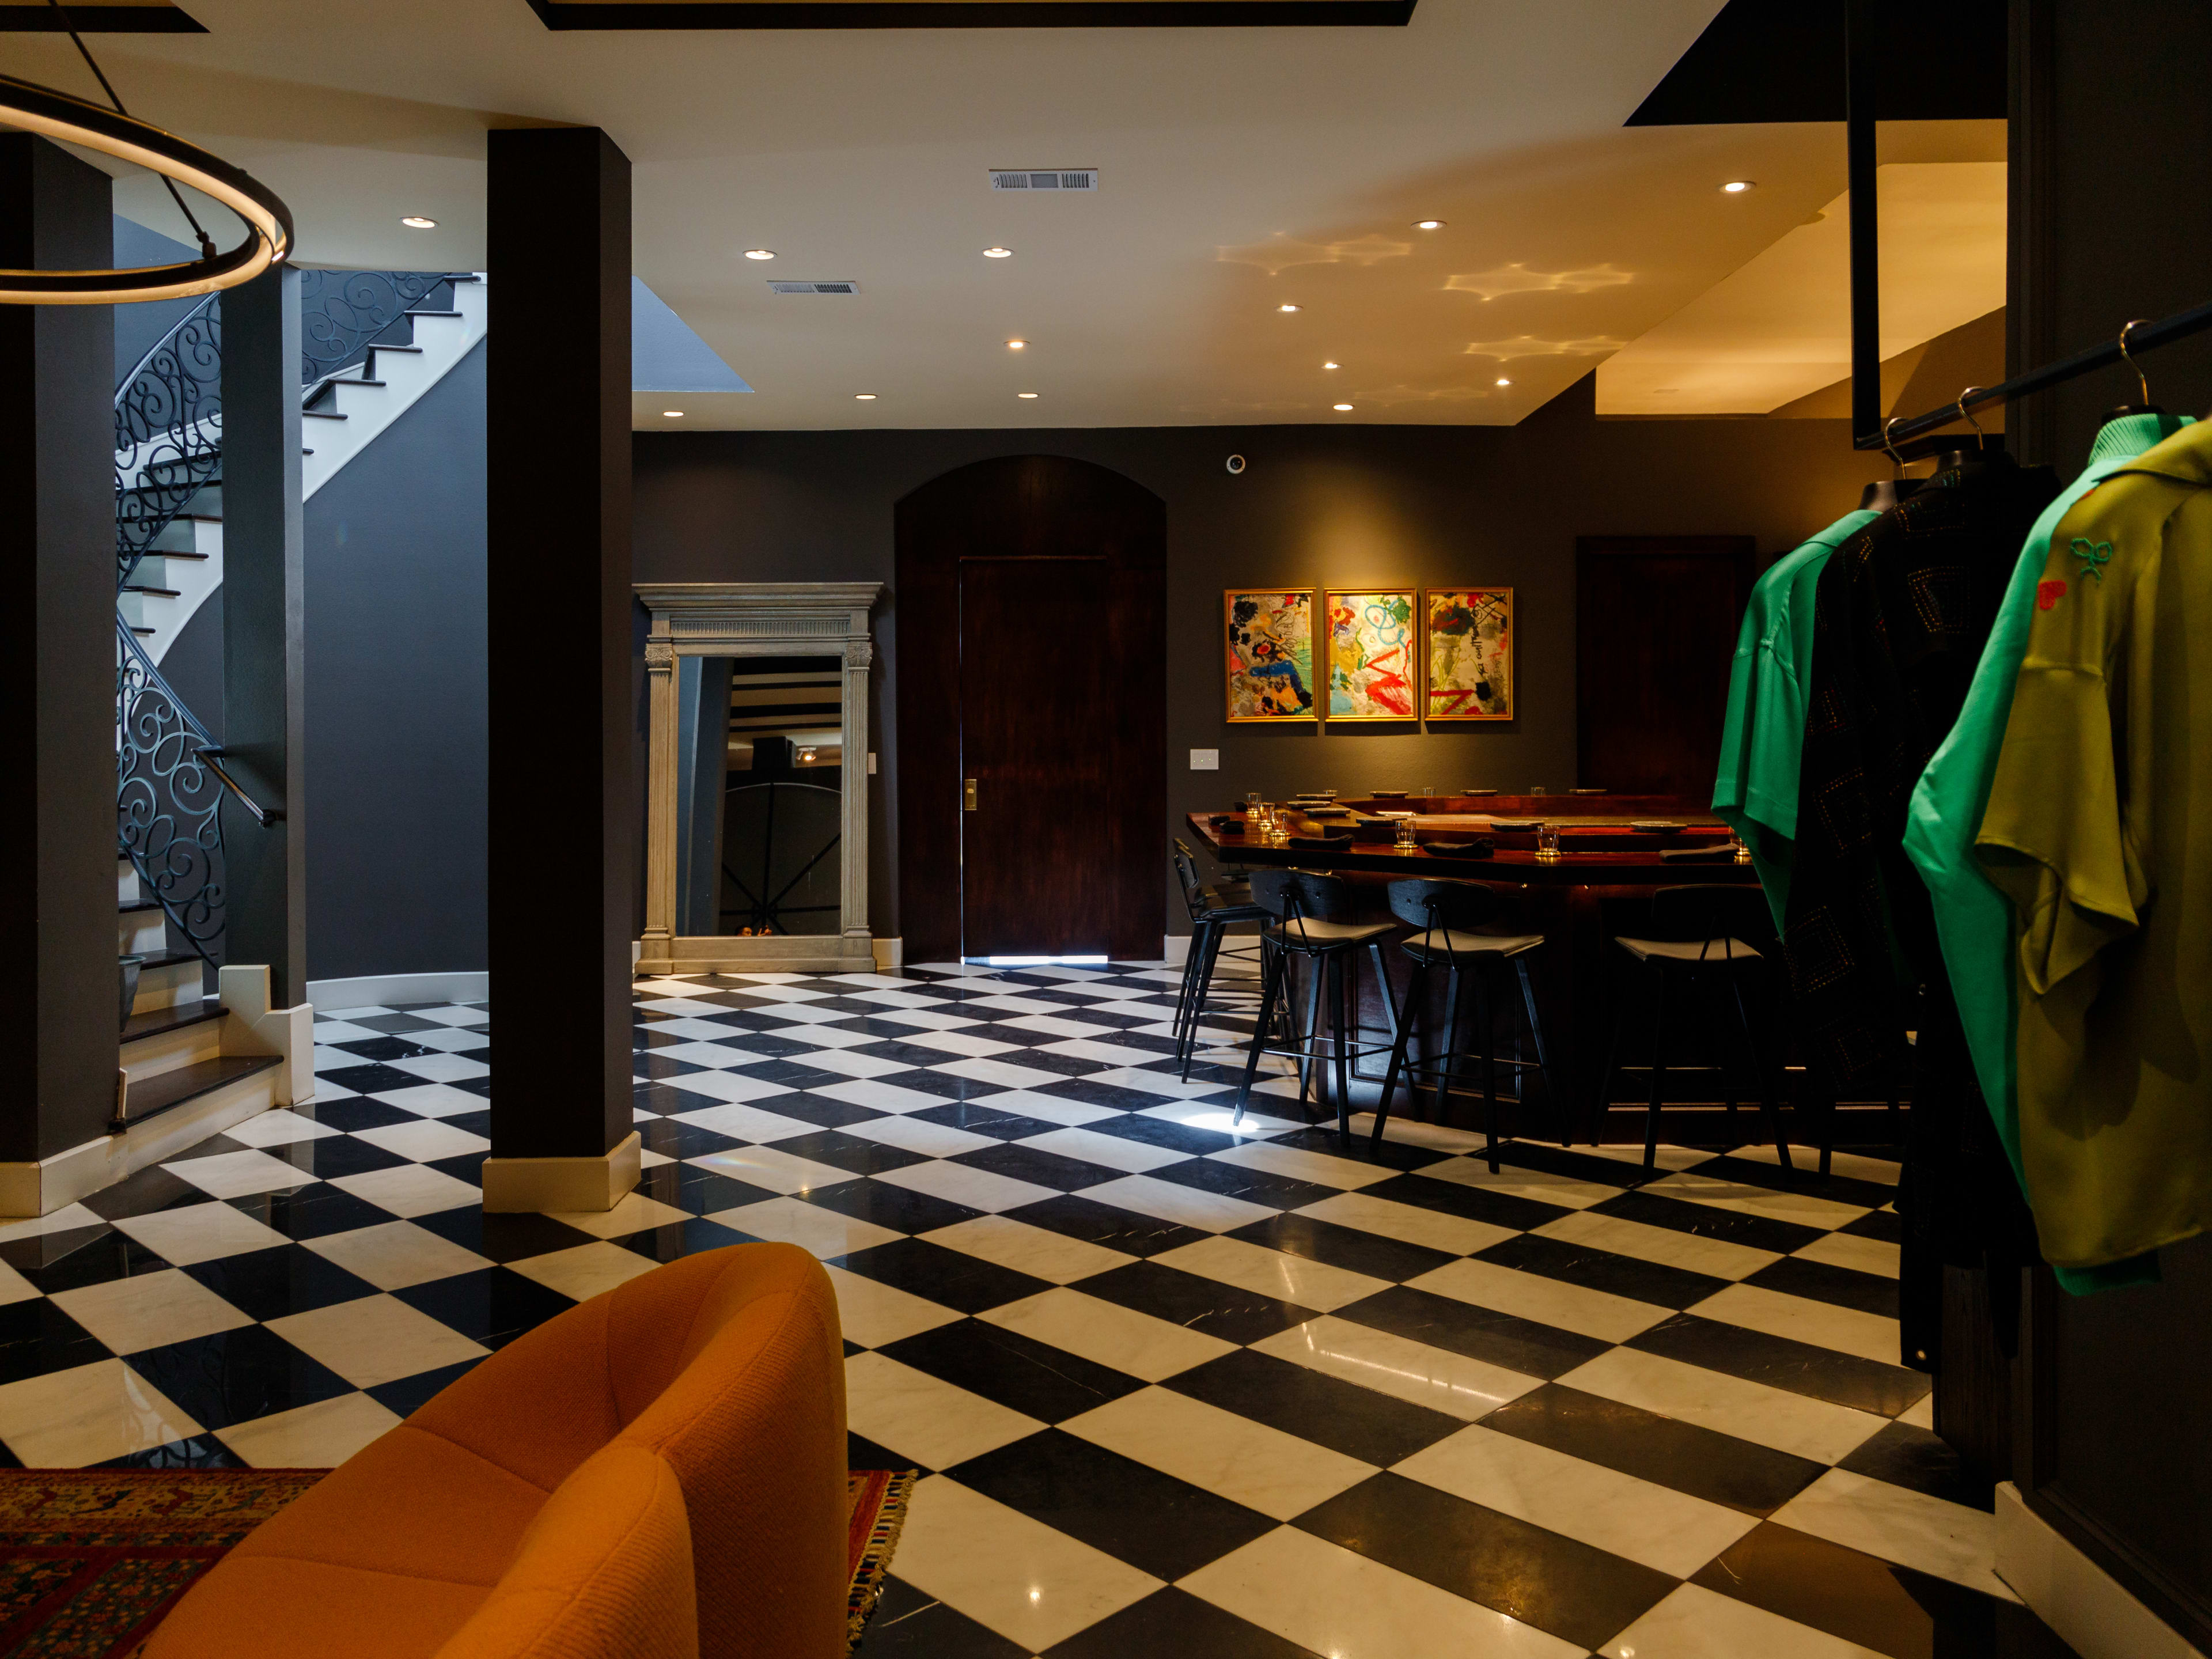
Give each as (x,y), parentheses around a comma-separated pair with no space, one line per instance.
(382,990)
(890,955)
(1175,949)
(2088,1608)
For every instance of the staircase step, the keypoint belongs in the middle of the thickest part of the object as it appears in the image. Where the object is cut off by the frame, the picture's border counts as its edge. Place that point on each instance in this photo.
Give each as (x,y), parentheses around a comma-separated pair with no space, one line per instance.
(167,1090)
(175,553)
(432,313)
(138,904)
(158,1022)
(417,350)
(150,959)
(152,593)
(318,415)
(142,632)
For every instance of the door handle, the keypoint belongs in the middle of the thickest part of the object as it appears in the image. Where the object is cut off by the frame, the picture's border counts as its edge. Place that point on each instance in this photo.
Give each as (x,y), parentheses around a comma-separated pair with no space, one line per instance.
(968,798)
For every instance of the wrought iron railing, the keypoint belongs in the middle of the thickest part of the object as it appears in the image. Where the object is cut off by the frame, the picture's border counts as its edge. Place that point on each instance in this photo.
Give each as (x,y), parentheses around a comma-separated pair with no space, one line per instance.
(343,313)
(168,432)
(168,800)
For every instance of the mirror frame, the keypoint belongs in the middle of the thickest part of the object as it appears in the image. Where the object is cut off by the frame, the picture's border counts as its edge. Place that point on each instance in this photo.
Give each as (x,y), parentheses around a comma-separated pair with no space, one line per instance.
(757,619)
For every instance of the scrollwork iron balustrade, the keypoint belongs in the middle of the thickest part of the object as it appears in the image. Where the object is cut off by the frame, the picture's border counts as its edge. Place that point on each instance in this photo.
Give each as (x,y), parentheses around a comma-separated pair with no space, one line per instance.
(343,313)
(168,800)
(168,432)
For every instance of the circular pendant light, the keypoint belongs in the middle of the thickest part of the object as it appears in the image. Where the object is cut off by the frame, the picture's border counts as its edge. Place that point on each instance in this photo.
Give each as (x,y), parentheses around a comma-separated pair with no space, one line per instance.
(72,120)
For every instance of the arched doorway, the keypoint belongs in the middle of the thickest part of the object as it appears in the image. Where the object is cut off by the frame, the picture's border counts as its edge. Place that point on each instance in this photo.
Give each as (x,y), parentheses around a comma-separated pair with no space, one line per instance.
(1031,605)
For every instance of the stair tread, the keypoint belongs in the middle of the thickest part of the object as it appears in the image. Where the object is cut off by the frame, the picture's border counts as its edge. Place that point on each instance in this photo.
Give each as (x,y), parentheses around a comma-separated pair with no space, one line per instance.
(138,904)
(163,958)
(137,629)
(430,314)
(416,350)
(151,593)
(165,1090)
(318,415)
(157,1022)
(175,552)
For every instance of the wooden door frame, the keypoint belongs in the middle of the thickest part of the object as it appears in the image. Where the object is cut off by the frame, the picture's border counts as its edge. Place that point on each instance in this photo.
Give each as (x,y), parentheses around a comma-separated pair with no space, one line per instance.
(1019,507)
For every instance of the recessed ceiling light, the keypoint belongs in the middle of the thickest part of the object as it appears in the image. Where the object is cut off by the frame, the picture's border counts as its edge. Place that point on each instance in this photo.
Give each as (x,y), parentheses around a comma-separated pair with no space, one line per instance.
(1328,365)
(864,397)
(1737,186)
(671,414)
(417,221)
(760,253)
(1428,224)
(1286,307)
(1502,380)
(1025,394)
(1344,405)
(1017,345)
(998,253)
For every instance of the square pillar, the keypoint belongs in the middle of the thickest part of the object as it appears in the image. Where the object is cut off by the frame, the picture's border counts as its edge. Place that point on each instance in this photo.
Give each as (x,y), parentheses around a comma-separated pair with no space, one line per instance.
(59,1014)
(561,813)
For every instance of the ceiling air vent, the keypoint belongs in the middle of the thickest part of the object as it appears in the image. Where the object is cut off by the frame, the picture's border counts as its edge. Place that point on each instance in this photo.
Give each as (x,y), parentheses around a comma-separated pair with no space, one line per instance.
(814,287)
(1047,178)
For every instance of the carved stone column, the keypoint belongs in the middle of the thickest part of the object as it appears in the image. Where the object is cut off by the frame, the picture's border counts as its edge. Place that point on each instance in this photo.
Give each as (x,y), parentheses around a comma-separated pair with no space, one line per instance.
(853,830)
(657,942)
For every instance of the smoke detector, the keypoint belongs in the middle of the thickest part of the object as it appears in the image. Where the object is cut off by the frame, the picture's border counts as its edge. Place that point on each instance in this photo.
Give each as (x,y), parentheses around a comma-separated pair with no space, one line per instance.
(1044,179)
(814,287)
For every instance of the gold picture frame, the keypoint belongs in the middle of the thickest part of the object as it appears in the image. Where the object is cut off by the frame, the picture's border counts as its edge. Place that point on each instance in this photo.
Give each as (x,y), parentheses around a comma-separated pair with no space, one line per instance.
(1373,651)
(1467,669)
(1268,647)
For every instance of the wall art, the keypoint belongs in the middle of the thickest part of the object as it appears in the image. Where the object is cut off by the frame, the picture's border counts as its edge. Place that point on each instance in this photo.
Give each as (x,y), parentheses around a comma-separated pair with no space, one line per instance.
(1373,654)
(1270,654)
(1469,640)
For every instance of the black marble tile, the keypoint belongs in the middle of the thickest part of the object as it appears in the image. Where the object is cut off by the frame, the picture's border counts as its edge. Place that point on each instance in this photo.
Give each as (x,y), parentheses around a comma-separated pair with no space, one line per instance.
(1253,1185)
(944,1085)
(659,1067)
(384,1048)
(678,1240)
(1017,1372)
(1475,1203)
(1842,1379)
(149,1191)
(951,1279)
(681,1140)
(789,1074)
(1601,1270)
(475,1123)
(492,1305)
(38,1337)
(861,1452)
(704,1191)
(1581,1594)
(288,1279)
(1036,1165)
(311,1211)
(824,1111)
(410,1394)
(979,1118)
(1075,1217)
(896,1207)
(1067,1068)
(1078,1086)
(502,1237)
(234,1376)
(331,1156)
(97,1257)
(395,1024)
(1137,1515)
(369,1078)
(1375,1428)
(1819,1281)
(462,1166)
(668,1099)
(1519,1344)
(1349,1248)
(199,1452)
(350,1114)
(1173,1623)
(1680,1215)
(1804,1177)
(1664,1450)
(1201,1304)
(1167,1135)
(909,1625)
(842,1152)
(1907,1456)
(1887,1225)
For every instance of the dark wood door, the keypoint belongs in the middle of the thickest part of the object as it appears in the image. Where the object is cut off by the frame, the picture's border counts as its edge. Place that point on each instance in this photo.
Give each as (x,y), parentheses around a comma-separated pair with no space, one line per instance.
(1031,620)
(1656,621)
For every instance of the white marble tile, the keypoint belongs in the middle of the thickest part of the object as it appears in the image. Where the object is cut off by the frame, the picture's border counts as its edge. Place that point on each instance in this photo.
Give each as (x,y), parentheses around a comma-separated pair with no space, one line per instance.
(1010,1003)
(820,1231)
(1111,1335)
(1032,1583)
(1059,1025)
(1324,1168)
(914,1414)
(425,1141)
(1099,1048)
(320,1436)
(698,1029)
(1864,1255)
(409,1190)
(1115,1152)
(329,1032)
(1166,1200)
(88,1414)
(1667,1530)
(278,1127)
(1411,1132)
(633,1213)
(772,1170)
(582,1271)
(872,1314)
(924,1019)
(1331,1601)
(1801,1319)
(1542,1185)
(441,1068)
(200,1232)
(1852,1164)
(1718,1257)
(963,1042)
(1051,1109)
(1037,1251)
(1277,1274)
(239,1175)
(1219,1451)
(979,1189)
(913,1134)
(14,1287)
(376,1339)
(452,1043)
(1909,1528)
(735,1087)
(433,1100)
(149,1310)
(1669,1158)
(848,1063)
(1547,1301)
(1921,1413)
(1744,1199)
(750,1123)
(68,1219)
(395,1255)
(1399,1366)
(819,1038)
(1220,1115)
(451,1014)
(1408,1223)
(1696,1623)
(1005,1073)
(877,1096)
(1712,1400)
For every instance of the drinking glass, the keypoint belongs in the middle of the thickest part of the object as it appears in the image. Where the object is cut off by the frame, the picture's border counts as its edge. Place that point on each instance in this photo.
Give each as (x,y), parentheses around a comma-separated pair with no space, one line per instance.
(1547,840)
(1406,842)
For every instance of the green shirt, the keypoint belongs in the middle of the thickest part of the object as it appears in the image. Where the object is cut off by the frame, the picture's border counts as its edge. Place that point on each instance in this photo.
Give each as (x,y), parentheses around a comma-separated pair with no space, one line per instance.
(1972,917)
(1756,793)
(2098,830)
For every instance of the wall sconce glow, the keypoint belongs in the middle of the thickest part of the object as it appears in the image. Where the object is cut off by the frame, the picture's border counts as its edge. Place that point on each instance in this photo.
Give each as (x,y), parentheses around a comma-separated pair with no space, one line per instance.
(1286,307)
(1018,345)
(1502,380)
(417,221)
(1737,186)
(1343,406)
(864,397)
(1428,224)
(998,253)
(1328,365)
(1025,394)
(671,414)
(760,253)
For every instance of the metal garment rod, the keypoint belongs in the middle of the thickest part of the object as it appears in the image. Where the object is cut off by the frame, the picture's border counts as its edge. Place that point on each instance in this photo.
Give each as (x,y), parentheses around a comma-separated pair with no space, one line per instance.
(2148,336)
(1861,90)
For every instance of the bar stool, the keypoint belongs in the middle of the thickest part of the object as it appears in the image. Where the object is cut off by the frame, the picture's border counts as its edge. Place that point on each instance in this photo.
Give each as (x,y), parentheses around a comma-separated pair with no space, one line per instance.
(1214,911)
(1312,911)
(1698,950)
(1448,913)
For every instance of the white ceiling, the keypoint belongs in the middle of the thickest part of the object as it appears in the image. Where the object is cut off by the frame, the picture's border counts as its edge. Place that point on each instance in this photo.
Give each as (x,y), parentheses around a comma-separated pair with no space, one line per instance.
(1240,168)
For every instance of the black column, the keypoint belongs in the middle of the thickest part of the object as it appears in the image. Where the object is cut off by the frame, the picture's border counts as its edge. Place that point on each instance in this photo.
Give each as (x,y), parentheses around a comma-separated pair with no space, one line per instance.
(58,1015)
(263,579)
(559,658)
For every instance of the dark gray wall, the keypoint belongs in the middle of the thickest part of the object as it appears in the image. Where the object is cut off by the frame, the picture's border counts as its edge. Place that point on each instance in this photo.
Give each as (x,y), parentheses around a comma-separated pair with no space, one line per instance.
(1317,505)
(397,739)
(139,328)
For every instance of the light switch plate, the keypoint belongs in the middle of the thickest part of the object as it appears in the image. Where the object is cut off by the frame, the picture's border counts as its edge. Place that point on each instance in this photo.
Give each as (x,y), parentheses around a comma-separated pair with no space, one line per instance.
(1206,760)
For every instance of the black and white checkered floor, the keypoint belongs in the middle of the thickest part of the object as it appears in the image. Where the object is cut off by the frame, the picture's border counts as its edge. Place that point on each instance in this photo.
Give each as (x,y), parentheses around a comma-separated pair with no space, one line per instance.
(1182,1392)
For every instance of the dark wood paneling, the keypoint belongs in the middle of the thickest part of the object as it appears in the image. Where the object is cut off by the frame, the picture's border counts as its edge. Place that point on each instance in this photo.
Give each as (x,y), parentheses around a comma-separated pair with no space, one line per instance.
(1656,619)
(1113,662)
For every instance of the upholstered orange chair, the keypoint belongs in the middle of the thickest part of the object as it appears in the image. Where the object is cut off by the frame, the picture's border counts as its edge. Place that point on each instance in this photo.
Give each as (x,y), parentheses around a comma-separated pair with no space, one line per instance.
(512,1515)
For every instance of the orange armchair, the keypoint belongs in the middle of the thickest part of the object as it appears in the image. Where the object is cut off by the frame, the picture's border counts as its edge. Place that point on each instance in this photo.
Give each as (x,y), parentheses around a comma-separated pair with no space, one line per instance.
(533,1507)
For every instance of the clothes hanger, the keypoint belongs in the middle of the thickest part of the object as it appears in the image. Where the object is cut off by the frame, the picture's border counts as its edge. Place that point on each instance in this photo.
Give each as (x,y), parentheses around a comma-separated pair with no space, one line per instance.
(1982,454)
(2143,380)
(1885,492)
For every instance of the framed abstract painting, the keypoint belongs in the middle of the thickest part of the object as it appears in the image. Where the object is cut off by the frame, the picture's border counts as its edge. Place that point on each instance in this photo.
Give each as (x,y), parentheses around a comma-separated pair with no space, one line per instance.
(1469,634)
(1373,654)
(1270,654)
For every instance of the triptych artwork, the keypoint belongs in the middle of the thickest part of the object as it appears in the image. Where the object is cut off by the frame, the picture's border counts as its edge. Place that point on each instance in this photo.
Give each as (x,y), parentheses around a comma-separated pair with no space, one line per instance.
(1438,653)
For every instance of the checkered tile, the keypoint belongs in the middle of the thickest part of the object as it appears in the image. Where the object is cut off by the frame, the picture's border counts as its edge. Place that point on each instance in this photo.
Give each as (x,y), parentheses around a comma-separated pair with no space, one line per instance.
(1180,1389)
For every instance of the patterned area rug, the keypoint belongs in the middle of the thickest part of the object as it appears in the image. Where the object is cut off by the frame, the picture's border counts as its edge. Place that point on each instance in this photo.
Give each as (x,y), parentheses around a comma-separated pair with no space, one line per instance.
(880,1498)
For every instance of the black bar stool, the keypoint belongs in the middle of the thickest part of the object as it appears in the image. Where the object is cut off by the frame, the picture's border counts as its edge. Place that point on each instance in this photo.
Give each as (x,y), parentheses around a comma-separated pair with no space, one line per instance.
(1699,951)
(1314,912)
(1214,911)
(1449,913)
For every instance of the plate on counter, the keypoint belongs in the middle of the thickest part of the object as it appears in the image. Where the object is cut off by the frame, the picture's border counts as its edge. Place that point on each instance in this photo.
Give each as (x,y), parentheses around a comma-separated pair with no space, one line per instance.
(1656,826)
(1516,824)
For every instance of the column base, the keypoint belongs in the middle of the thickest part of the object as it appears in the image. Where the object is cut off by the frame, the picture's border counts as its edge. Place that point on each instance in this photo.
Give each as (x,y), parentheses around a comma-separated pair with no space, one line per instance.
(517,1184)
